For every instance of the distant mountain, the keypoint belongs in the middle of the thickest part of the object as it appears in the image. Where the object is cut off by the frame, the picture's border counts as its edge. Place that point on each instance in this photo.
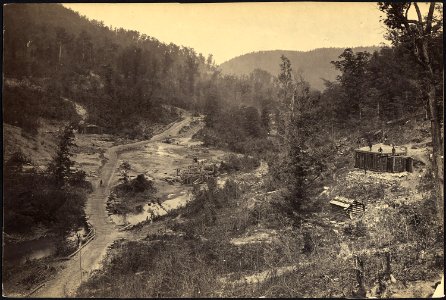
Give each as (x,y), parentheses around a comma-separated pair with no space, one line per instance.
(314,64)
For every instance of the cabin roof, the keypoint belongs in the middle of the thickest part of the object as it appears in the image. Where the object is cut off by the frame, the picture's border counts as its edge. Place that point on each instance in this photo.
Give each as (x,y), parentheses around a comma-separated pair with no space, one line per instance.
(342,202)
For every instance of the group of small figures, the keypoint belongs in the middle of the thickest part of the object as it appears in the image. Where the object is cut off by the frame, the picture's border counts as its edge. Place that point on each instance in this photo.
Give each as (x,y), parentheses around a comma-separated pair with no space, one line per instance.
(380,150)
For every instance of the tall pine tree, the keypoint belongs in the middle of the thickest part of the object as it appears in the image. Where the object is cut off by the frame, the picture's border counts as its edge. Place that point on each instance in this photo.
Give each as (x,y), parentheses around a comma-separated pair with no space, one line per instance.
(60,167)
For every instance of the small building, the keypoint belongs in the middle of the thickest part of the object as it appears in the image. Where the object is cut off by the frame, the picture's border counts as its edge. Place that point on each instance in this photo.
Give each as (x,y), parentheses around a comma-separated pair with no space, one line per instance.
(89,129)
(349,207)
(385,160)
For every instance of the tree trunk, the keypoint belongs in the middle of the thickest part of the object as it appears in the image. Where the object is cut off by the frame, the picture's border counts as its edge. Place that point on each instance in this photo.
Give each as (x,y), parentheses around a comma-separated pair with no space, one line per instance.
(387,268)
(437,144)
(437,149)
(359,270)
(83,50)
(28,60)
(60,52)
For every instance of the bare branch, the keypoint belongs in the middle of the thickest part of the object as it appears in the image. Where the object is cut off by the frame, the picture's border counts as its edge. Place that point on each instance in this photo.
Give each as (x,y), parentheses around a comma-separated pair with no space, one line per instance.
(429,18)
(407,10)
(420,19)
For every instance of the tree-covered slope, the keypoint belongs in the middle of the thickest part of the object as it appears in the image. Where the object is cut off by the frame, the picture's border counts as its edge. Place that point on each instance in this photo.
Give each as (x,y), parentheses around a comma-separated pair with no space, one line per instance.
(314,64)
(120,76)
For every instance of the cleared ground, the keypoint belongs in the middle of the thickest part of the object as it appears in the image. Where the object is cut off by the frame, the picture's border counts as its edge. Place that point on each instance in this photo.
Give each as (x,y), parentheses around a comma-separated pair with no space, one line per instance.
(67,280)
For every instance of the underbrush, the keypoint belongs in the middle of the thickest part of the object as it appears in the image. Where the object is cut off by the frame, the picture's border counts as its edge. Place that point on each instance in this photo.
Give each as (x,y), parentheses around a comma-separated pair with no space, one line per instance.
(131,122)
(182,267)
(24,107)
(239,163)
(205,205)
(259,146)
(202,255)
(32,198)
(129,194)
(365,193)
(22,278)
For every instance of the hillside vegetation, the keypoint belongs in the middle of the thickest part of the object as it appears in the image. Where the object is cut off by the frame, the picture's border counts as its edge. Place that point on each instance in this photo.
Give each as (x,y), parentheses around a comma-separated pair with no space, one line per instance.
(271,232)
(314,64)
(265,227)
(122,77)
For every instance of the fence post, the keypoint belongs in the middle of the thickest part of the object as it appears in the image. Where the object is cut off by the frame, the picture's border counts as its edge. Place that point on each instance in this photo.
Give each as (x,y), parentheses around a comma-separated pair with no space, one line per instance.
(359,268)
(388,269)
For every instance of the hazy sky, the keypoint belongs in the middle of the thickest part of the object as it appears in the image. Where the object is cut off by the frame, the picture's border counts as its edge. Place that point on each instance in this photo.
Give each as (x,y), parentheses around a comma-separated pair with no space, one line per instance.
(230,29)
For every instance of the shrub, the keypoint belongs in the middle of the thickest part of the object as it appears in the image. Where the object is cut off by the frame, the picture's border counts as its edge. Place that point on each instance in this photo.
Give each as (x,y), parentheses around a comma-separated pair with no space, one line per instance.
(125,166)
(131,193)
(135,186)
(365,193)
(308,243)
(239,163)
(78,179)
(16,222)
(18,159)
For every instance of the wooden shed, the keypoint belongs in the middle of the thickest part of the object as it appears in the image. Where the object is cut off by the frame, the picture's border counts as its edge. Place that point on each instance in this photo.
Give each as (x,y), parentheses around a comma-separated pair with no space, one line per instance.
(349,207)
(90,129)
(384,161)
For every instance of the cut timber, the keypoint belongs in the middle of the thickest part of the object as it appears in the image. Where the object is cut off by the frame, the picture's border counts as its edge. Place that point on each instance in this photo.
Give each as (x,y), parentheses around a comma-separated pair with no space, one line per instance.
(349,207)
(196,173)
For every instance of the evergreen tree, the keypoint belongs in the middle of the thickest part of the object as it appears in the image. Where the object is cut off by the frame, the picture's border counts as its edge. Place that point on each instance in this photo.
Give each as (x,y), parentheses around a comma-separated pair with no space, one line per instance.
(264,118)
(353,67)
(60,167)
(286,81)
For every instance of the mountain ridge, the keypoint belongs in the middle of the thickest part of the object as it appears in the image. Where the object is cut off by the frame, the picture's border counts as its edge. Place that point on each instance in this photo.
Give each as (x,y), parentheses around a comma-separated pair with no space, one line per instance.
(313,64)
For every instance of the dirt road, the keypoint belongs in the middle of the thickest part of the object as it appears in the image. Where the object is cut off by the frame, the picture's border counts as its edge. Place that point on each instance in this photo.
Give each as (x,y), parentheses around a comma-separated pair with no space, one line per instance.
(67,281)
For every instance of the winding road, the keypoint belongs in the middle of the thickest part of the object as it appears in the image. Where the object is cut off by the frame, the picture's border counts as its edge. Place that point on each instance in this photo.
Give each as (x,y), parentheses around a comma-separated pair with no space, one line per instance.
(68,280)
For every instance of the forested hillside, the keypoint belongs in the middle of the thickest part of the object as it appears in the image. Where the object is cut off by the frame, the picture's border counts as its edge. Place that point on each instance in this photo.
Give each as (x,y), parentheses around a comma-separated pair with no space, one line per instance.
(125,80)
(313,65)
(121,76)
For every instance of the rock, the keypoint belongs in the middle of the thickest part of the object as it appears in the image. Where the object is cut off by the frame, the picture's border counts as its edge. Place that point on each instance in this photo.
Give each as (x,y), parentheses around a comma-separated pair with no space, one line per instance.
(392,279)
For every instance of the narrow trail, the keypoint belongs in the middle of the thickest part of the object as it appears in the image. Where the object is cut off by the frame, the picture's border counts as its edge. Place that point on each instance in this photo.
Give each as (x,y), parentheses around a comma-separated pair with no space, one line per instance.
(69,279)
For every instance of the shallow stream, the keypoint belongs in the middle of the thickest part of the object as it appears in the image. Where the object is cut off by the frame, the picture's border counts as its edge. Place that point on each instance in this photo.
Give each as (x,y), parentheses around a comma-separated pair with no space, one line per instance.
(151,210)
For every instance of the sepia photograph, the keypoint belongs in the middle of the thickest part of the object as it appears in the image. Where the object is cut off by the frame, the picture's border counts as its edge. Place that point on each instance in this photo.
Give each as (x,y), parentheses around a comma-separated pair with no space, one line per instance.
(223,150)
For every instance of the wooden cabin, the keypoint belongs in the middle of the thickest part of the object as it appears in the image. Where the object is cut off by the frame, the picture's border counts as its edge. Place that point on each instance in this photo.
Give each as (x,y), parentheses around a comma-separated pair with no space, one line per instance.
(89,129)
(384,161)
(347,207)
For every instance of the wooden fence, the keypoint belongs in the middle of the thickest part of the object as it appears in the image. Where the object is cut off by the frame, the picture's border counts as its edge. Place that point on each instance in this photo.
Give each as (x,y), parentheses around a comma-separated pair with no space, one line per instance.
(383,162)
